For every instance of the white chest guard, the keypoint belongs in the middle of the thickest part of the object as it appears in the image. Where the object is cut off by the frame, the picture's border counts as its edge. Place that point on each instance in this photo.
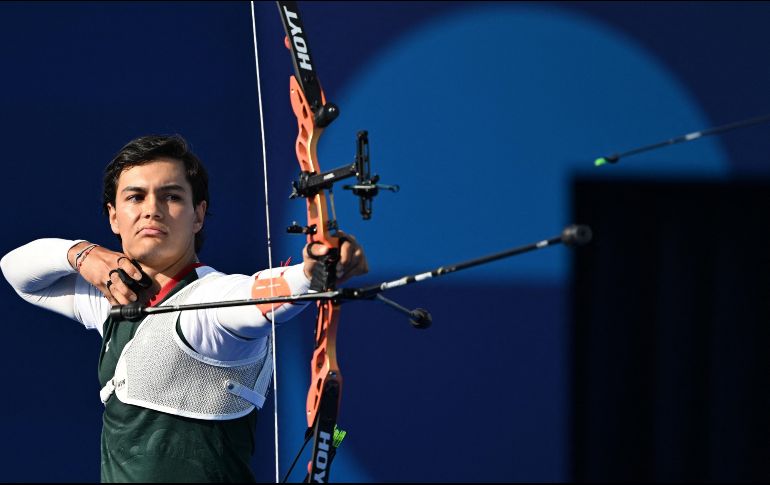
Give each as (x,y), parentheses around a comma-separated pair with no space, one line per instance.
(156,370)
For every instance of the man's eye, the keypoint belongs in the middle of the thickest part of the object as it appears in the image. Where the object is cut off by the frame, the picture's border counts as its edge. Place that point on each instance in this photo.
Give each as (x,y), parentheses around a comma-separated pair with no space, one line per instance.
(173,197)
(134,197)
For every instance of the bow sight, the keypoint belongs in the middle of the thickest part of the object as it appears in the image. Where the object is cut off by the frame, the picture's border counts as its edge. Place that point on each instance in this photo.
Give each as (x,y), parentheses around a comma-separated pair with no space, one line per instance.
(366,186)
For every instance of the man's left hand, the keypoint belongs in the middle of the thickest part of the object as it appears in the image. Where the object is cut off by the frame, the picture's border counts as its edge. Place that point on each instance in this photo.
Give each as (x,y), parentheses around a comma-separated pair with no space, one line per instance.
(352,258)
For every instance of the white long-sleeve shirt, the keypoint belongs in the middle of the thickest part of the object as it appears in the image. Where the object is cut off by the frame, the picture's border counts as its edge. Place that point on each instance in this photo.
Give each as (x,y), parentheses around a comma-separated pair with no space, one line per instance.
(41,274)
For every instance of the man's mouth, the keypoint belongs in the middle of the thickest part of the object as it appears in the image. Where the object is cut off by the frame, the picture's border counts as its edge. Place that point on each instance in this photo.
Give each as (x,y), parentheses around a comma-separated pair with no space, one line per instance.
(152,231)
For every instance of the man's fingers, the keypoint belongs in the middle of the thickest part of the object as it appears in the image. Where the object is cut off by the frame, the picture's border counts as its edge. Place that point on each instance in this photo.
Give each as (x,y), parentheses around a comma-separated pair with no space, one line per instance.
(128,267)
(316,250)
(109,297)
(352,260)
(118,290)
(103,266)
(350,250)
(105,288)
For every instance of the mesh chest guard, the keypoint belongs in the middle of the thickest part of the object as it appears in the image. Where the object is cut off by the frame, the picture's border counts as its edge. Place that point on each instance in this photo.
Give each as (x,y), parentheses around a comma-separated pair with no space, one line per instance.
(156,370)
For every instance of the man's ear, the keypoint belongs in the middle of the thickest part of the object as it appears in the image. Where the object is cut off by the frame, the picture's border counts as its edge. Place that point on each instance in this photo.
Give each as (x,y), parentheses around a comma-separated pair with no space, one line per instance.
(113,215)
(200,216)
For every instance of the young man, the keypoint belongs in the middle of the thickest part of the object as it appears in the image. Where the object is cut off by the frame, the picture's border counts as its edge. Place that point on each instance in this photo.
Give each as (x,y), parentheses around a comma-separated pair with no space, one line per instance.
(181,390)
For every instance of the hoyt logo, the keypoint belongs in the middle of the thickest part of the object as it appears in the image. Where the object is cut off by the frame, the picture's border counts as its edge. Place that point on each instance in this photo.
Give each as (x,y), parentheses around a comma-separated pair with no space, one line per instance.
(322,456)
(300,46)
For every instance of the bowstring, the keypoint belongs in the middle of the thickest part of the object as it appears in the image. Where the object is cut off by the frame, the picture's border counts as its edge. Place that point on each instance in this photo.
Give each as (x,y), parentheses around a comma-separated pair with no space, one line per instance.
(269,240)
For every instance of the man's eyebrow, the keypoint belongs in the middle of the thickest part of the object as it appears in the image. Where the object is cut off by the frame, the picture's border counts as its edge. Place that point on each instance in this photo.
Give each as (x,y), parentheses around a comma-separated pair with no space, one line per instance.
(172,187)
(133,188)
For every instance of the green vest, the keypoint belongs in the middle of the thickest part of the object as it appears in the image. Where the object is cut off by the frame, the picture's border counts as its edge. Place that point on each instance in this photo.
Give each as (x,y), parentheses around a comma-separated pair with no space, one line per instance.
(143,445)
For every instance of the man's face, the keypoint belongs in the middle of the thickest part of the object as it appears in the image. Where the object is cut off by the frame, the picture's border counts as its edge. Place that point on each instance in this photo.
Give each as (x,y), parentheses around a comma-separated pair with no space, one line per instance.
(154,213)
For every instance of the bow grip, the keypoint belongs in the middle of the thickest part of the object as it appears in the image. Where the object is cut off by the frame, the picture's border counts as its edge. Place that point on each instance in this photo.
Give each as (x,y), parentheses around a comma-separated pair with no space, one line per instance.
(324,276)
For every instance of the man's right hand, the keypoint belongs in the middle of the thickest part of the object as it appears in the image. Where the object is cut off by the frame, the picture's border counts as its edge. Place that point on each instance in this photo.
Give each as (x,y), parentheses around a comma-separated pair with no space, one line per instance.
(99,266)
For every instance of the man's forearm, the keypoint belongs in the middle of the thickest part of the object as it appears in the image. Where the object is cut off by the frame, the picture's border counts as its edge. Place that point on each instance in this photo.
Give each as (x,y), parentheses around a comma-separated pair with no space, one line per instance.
(38,264)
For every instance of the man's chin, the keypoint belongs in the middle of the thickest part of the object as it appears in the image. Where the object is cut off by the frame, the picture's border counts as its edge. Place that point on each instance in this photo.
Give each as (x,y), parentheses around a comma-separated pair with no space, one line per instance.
(148,251)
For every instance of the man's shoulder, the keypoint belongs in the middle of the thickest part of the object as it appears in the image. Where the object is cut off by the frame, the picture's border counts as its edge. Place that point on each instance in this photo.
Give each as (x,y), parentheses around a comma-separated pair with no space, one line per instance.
(205,271)
(208,279)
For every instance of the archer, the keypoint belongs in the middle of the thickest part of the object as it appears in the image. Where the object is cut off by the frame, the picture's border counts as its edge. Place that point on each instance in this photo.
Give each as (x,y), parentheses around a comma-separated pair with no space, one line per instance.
(181,390)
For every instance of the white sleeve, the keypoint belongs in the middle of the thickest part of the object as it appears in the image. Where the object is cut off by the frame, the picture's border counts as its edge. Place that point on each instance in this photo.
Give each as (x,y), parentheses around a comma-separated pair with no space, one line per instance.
(40,273)
(236,333)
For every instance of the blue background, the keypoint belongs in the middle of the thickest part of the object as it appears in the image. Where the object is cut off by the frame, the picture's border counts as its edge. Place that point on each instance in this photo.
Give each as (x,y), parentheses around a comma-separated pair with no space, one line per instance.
(483,113)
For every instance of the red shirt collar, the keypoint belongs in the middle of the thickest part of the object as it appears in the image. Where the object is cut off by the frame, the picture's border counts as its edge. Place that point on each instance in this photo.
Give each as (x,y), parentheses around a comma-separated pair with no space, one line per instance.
(171,284)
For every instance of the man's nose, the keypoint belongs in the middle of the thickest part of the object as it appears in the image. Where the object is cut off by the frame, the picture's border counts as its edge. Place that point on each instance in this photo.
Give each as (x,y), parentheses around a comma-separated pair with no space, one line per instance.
(152,207)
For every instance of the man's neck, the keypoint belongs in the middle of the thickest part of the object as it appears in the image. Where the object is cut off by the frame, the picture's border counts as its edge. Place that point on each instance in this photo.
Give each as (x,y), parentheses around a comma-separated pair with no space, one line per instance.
(166,275)
(165,271)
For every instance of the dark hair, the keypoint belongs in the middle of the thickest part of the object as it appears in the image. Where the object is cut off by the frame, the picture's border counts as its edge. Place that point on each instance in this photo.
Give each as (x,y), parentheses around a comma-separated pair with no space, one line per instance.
(151,147)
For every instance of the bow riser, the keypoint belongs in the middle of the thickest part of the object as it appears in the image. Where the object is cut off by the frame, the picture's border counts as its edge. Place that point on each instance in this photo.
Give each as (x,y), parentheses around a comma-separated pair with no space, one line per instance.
(305,146)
